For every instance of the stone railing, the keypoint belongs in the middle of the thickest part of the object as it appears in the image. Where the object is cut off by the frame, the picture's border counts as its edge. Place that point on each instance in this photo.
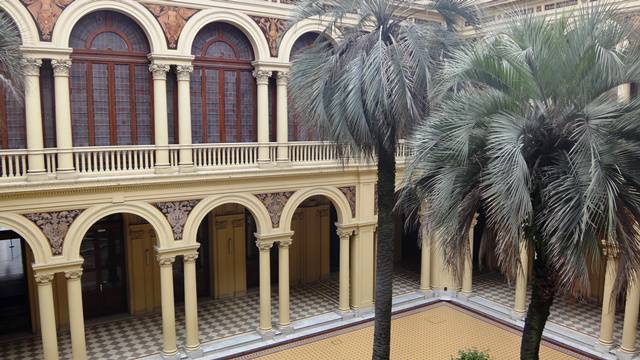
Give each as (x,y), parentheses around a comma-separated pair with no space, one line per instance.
(103,161)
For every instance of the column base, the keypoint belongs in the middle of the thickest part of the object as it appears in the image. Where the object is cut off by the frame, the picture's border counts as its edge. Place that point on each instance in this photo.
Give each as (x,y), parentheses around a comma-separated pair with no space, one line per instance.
(604,347)
(622,354)
(65,174)
(194,353)
(346,314)
(363,311)
(286,329)
(465,295)
(37,176)
(518,315)
(266,334)
(427,293)
(186,168)
(170,356)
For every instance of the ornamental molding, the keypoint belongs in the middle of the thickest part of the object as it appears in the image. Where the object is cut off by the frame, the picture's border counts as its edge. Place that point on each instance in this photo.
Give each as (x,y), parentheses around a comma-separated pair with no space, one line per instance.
(272,28)
(61,67)
(46,14)
(350,193)
(275,202)
(177,213)
(190,258)
(166,260)
(264,245)
(282,78)
(159,71)
(262,76)
(73,274)
(172,20)
(55,226)
(285,243)
(44,279)
(184,72)
(31,66)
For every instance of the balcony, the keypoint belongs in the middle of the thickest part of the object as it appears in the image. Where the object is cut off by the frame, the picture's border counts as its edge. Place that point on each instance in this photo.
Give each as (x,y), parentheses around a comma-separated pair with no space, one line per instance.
(119,161)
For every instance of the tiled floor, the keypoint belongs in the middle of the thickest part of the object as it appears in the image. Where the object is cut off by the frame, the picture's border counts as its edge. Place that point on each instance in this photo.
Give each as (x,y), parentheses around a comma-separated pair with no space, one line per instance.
(134,337)
(581,316)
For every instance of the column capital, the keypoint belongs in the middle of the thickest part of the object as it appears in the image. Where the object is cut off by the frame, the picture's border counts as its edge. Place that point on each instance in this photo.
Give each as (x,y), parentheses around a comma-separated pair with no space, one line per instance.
(262,76)
(73,274)
(31,66)
(285,243)
(184,72)
(344,232)
(282,78)
(190,258)
(159,71)
(43,279)
(165,260)
(61,67)
(264,245)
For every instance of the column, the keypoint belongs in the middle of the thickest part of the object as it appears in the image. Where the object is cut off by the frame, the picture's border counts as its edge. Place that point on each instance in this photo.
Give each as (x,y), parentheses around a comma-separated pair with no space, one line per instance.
(160,124)
(184,116)
(520,304)
(467,275)
(64,135)
(283,117)
(425,257)
(265,285)
(33,117)
(47,316)
(262,81)
(630,329)
(624,93)
(169,347)
(283,282)
(191,303)
(608,301)
(345,243)
(76,314)
(362,260)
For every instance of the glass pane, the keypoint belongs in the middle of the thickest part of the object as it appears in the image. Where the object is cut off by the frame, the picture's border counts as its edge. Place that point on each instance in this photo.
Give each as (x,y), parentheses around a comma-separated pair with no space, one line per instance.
(196,105)
(230,107)
(248,107)
(101,104)
(143,105)
(213,104)
(123,106)
(79,104)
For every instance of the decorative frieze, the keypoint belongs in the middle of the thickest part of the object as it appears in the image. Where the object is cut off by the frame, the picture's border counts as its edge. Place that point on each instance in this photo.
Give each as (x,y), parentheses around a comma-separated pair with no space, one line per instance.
(172,20)
(275,202)
(46,14)
(177,213)
(272,28)
(350,193)
(55,226)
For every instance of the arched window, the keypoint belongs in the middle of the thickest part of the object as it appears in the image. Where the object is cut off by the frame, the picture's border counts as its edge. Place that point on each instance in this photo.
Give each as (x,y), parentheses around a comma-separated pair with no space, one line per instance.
(296,131)
(12,121)
(111,88)
(223,90)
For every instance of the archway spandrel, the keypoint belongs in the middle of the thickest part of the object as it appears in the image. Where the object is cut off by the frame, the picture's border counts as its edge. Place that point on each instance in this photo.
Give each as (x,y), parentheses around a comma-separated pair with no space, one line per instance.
(350,193)
(177,213)
(46,14)
(55,226)
(275,202)
(172,19)
(272,28)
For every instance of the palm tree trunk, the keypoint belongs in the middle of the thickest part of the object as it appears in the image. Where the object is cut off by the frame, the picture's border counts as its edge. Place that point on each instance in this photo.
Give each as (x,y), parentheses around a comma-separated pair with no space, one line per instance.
(384,256)
(543,293)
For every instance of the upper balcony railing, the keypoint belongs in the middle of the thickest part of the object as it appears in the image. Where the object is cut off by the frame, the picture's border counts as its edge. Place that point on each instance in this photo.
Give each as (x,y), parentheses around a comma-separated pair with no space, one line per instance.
(141,159)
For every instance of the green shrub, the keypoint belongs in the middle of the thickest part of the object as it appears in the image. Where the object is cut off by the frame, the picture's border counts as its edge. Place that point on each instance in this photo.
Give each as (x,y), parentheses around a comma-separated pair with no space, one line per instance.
(471,354)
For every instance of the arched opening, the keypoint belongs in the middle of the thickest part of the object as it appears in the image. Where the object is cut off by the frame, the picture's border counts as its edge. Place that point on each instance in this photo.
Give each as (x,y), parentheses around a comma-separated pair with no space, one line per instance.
(111,87)
(407,256)
(223,90)
(314,258)
(17,288)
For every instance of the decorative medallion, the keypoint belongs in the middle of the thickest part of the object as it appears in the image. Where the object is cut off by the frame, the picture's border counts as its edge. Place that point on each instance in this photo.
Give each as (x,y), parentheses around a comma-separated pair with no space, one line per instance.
(274,202)
(177,213)
(172,19)
(350,193)
(46,13)
(54,225)
(272,28)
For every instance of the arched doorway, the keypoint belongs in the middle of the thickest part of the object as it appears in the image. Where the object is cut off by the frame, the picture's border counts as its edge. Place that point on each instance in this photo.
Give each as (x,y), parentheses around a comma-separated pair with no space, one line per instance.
(111,87)
(223,90)
(16,285)
(407,256)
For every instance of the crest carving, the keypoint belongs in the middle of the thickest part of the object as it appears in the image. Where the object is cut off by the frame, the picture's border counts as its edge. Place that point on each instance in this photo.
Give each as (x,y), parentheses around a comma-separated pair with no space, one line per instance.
(55,226)
(350,193)
(272,28)
(172,19)
(275,202)
(46,13)
(177,213)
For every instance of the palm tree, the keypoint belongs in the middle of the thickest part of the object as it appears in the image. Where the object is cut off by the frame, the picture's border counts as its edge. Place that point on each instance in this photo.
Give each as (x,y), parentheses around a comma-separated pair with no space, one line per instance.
(10,56)
(529,132)
(367,91)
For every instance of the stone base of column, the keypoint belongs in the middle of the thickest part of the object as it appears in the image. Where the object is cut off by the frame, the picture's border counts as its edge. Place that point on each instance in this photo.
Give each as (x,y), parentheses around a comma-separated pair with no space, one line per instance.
(346,314)
(173,356)
(518,315)
(427,293)
(65,174)
(286,329)
(194,353)
(37,176)
(266,334)
(187,168)
(625,355)
(604,347)
(465,295)
(363,311)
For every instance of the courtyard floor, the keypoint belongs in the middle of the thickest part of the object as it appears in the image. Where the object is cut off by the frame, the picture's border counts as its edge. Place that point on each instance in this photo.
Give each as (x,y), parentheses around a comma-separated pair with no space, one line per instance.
(433,332)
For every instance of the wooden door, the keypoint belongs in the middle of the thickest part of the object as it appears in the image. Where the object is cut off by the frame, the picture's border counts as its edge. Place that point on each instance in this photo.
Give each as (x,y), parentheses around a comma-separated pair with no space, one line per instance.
(103,281)
(229,254)
(144,274)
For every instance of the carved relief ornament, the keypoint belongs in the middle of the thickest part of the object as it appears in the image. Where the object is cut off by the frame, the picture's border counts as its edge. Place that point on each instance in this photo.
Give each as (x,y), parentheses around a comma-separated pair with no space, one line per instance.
(177,213)
(46,14)
(55,226)
(172,20)
(275,202)
(272,28)
(350,193)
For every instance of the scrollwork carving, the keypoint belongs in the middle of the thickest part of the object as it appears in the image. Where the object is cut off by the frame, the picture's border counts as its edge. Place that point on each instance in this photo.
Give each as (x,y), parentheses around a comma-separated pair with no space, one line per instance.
(350,193)
(272,28)
(55,226)
(177,213)
(172,20)
(46,14)
(275,202)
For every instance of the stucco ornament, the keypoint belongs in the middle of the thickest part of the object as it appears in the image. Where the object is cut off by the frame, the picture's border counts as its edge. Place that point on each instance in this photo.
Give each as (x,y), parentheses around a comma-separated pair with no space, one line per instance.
(172,19)
(177,213)
(46,14)
(350,193)
(55,226)
(275,202)
(272,28)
